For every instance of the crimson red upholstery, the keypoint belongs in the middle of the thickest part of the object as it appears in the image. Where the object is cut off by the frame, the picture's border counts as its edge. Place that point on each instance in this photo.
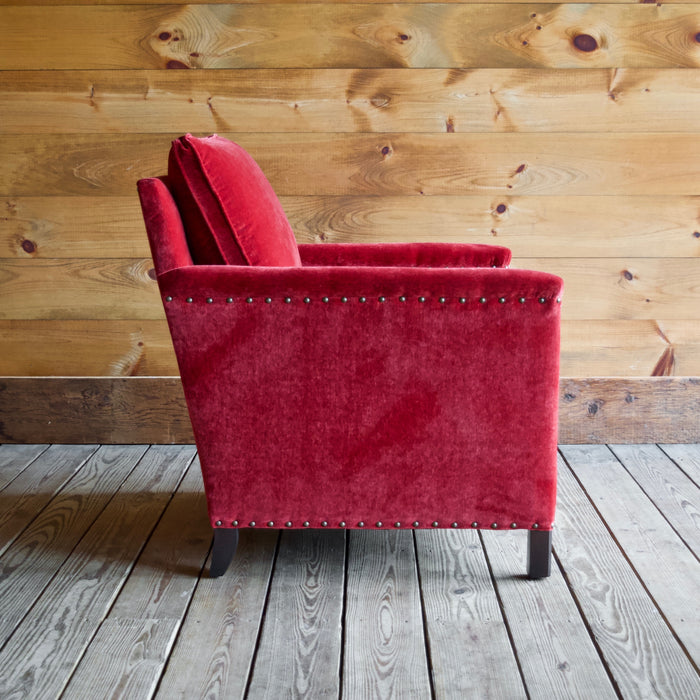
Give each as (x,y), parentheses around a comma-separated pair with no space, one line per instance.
(404,385)
(231,212)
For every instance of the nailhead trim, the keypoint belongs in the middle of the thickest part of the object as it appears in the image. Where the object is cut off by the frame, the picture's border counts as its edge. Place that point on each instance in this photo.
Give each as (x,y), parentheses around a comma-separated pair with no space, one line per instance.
(403,298)
(378,524)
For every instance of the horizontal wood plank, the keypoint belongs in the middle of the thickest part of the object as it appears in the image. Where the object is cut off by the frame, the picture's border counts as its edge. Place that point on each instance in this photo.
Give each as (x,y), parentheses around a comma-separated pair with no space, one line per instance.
(351,100)
(349,35)
(589,348)
(152,409)
(120,289)
(386,164)
(540,225)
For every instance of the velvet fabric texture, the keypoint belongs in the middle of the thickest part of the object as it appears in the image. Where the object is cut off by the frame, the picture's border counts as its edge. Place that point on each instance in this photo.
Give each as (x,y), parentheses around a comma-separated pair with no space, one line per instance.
(231,212)
(376,386)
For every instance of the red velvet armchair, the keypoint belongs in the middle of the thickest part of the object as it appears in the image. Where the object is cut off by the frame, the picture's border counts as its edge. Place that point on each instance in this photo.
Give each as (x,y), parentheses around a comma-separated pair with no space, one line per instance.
(351,386)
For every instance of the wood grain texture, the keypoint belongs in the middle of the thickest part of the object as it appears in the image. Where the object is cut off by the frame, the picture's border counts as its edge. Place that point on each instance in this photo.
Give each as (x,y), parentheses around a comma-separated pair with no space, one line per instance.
(25,497)
(14,459)
(214,651)
(426,100)
(121,289)
(137,651)
(86,348)
(557,658)
(349,35)
(363,164)
(282,2)
(640,651)
(634,410)
(687,457)
(89,581)
(127,655)
(669,488)
(302,657)
(384,645)
(470,652)
(655,551)
(152,409)
(143,348)
(34,557)
(542,226)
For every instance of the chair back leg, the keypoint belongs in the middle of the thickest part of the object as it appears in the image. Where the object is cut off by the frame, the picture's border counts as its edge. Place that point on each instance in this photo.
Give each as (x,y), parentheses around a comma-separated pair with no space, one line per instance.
(225,544)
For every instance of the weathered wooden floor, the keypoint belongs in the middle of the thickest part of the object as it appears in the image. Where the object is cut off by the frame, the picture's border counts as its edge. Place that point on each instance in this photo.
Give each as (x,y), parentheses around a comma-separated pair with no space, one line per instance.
(104,593)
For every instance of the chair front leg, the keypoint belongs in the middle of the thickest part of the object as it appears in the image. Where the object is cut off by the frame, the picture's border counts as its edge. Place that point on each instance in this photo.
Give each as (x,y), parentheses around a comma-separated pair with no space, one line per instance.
(225,544)
(539,553)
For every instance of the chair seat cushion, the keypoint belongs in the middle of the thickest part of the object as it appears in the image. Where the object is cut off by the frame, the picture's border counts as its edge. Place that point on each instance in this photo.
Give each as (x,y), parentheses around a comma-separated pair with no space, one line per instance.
(231,213)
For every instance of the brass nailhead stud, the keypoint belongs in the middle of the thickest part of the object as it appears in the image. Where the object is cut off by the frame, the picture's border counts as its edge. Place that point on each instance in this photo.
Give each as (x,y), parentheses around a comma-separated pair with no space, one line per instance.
(229,300)
(218,523)
(494,526)
(306,523)
(382,300)
(288,523)
(361,523)
(501,300)
(522,300)
(307,300)
(442,300)
(271,523)
(475,524)
(536,526)
(189,300)
(341,523)
(379,523)
(249,300)
(288,300)
(324,523)
(344,300)
(363,300)
(234,523)
(402,298)
(252,523)
(168,298)
(542,300)
(210,300)
(455,524)
(513,526)
(397,524)
(558,300)
(268,300)
(462,300)
(325,300)
(482,300)
(421,300)
(435,523)
(416,523)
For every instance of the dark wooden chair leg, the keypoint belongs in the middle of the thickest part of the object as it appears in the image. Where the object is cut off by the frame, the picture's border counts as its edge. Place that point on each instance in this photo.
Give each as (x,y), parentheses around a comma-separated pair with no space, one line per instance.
(225,543)
(539,553)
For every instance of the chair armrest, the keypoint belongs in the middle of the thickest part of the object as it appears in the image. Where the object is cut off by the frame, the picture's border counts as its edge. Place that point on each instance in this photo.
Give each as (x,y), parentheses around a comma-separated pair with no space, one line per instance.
(404,254)
(239,283)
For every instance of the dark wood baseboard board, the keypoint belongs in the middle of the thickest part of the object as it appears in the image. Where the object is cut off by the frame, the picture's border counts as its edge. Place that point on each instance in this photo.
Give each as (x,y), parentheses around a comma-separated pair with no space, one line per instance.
(132,410)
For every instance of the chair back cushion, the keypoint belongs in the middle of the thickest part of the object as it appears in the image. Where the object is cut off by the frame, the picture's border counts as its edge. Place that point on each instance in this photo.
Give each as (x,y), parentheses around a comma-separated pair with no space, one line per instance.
(231,213)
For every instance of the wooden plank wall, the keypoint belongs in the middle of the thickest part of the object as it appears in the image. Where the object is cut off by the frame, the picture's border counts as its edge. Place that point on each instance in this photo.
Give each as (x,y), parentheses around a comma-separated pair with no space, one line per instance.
(568,132)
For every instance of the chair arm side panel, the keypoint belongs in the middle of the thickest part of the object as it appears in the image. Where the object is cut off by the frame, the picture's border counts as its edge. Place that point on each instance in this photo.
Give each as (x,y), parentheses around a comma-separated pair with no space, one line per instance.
(368,395)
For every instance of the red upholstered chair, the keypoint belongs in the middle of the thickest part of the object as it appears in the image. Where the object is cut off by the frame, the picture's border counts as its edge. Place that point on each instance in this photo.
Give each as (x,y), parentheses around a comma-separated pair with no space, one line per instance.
(351,386)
